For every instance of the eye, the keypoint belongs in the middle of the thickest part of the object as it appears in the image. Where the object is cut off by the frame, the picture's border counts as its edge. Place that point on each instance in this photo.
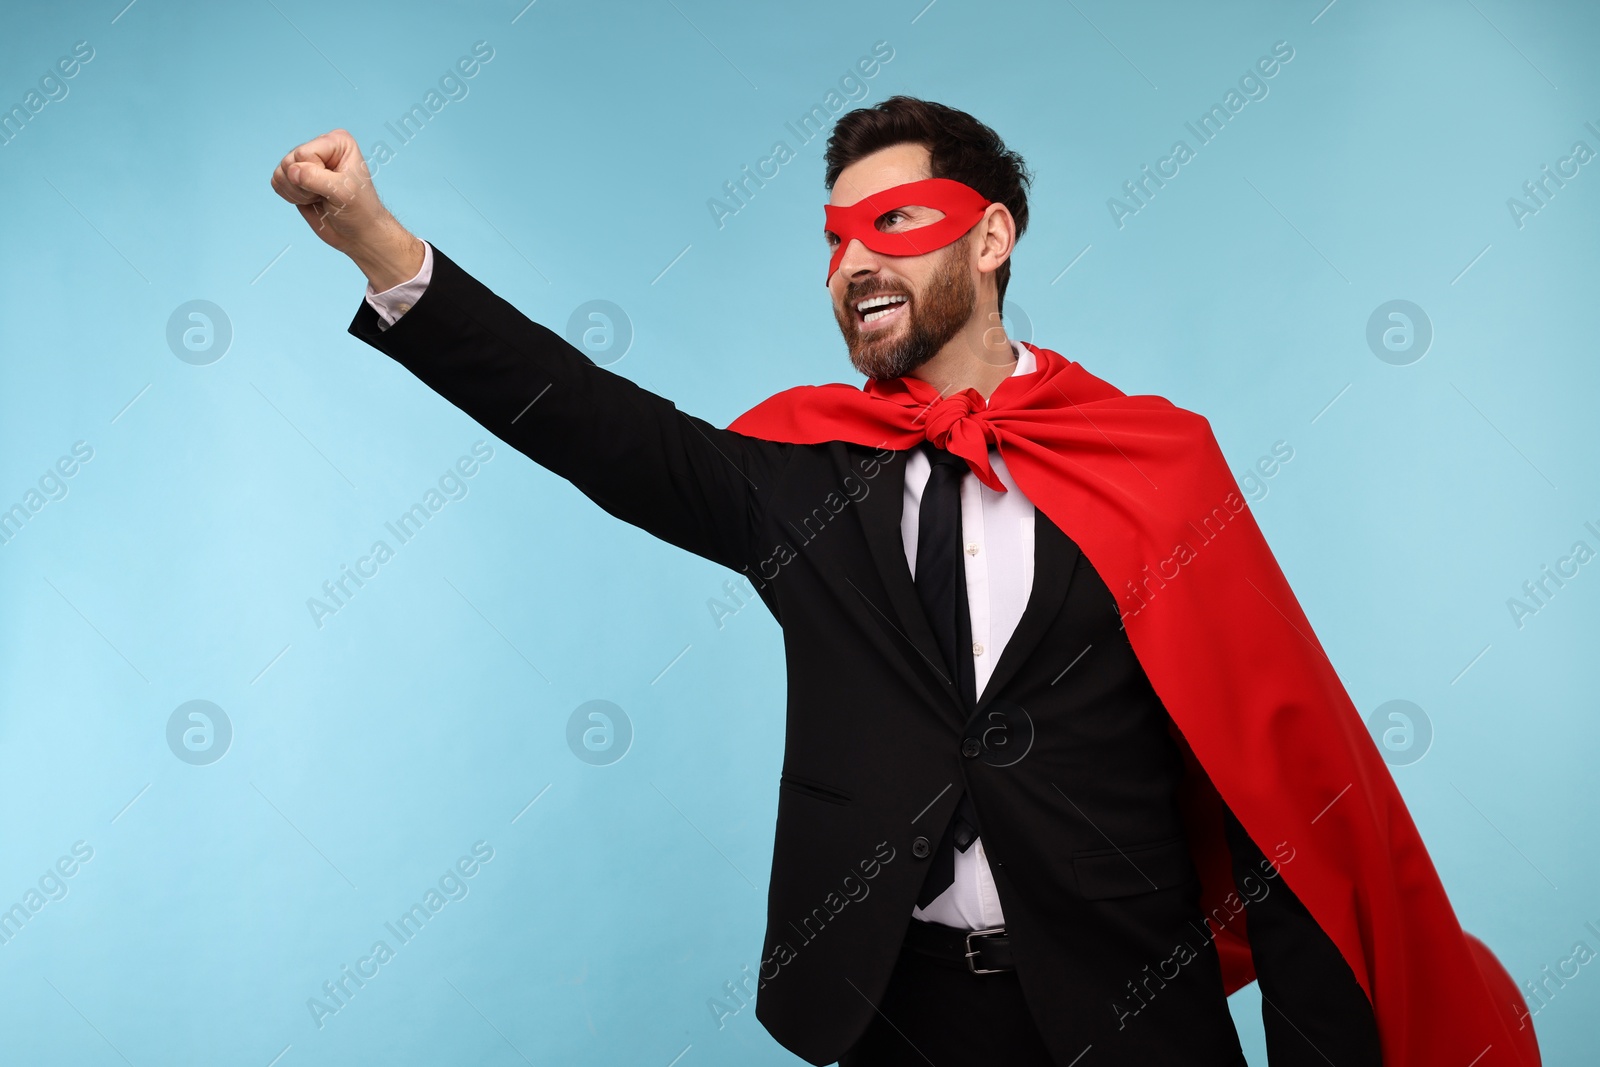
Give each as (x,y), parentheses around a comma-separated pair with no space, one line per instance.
(831,237)
(885,220)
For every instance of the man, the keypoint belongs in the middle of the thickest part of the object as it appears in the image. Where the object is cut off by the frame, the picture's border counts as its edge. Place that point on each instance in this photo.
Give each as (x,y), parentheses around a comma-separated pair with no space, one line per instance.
(969,727)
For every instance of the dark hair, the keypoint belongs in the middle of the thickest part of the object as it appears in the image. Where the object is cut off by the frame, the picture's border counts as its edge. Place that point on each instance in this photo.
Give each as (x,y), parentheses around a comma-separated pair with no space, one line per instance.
(961,148)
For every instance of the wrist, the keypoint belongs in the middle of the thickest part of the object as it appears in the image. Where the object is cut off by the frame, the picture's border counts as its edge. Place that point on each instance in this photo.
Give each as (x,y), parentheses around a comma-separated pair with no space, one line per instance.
(392,257)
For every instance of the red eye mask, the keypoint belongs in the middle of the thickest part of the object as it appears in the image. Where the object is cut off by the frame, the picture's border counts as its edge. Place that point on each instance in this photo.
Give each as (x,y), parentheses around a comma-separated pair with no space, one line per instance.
(962,206)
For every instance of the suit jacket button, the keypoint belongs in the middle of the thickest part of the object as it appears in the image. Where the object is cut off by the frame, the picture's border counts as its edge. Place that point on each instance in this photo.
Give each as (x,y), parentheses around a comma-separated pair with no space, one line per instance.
(970,747)
(920,848)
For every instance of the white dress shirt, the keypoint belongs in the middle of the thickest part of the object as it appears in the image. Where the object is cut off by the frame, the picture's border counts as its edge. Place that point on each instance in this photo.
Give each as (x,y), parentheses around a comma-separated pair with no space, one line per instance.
(997,529)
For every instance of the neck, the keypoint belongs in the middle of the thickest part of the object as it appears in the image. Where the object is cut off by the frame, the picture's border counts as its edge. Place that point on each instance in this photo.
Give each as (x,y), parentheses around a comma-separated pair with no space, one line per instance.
(979,357)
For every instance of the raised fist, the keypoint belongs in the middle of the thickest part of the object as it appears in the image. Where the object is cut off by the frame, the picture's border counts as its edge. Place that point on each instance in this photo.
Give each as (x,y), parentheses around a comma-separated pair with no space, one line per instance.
(329,184)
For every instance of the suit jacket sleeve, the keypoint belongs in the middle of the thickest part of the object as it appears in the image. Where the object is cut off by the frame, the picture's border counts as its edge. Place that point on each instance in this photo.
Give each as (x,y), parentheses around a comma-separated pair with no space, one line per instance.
(630,451)
(1312,1008)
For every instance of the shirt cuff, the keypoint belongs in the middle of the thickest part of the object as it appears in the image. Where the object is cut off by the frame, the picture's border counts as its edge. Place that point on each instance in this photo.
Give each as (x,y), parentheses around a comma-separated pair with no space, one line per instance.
(394,302)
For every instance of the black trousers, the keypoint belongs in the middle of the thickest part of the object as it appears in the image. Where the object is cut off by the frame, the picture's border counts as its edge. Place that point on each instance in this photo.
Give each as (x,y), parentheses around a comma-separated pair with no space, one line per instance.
(937,1011)
(1314,1013)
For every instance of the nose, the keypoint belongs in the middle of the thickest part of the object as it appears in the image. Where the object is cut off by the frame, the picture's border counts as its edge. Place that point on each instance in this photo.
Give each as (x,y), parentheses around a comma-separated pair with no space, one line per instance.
(857,259)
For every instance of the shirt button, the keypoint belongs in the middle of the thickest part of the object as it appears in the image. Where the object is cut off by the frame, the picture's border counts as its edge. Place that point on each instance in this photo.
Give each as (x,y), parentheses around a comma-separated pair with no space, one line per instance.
(970,747)
(402,308)
(977,649)
(972,548)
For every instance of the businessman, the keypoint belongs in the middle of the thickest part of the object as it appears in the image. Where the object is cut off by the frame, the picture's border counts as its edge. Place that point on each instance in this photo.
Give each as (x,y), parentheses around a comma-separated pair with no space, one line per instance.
(1054,728)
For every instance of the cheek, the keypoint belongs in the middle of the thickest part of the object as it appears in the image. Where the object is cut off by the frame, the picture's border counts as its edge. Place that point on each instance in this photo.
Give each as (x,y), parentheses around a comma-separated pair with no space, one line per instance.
(835,300)
(915,273)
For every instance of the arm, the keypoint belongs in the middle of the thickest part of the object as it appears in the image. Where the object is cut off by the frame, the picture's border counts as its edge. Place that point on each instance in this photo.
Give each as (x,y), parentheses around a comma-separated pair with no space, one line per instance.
(1312,1007)
(632,452)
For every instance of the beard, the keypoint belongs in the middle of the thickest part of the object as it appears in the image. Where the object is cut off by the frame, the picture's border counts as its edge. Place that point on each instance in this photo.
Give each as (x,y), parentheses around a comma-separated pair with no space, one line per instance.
(933,317)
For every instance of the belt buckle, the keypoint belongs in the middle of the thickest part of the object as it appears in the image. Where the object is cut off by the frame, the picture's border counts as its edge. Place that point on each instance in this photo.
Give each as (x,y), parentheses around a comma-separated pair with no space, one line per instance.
(971,952)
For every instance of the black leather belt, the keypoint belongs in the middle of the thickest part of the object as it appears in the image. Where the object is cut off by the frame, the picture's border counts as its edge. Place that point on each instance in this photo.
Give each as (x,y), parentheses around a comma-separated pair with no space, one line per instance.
(985,951)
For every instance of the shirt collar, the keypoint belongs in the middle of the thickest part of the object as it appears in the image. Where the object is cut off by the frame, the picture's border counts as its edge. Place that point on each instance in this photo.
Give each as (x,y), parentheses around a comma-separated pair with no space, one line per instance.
(1026,363)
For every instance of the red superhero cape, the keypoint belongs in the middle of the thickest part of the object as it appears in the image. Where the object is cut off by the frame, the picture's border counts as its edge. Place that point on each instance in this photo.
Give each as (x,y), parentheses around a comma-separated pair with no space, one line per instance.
(1141,485)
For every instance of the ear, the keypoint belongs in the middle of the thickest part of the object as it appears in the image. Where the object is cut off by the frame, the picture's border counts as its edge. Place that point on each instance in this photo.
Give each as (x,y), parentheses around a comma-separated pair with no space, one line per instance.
(996,237)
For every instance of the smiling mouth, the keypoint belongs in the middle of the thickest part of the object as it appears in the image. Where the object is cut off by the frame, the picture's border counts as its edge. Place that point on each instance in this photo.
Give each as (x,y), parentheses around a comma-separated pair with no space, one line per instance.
(876,311)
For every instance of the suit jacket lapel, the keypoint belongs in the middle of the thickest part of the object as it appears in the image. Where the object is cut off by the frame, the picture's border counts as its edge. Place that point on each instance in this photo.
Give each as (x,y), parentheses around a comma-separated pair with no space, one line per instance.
(1055,558)
(880,517)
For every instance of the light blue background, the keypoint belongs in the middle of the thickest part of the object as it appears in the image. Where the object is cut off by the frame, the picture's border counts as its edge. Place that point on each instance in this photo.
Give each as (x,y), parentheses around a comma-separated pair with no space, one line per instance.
(425,716)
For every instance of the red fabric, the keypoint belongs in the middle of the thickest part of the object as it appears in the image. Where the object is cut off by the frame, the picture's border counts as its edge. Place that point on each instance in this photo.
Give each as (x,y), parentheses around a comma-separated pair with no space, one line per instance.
(961,204)
(1141,485)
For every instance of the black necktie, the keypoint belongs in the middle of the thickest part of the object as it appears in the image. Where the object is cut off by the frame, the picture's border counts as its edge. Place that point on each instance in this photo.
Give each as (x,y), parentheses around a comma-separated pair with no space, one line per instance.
(941,582)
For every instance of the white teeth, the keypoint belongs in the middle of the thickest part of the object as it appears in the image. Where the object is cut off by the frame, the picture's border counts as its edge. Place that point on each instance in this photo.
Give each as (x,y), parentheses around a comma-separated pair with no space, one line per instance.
(878,301)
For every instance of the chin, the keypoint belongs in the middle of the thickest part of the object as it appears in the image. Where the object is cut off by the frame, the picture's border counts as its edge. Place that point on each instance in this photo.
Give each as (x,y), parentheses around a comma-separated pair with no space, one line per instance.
(893,355)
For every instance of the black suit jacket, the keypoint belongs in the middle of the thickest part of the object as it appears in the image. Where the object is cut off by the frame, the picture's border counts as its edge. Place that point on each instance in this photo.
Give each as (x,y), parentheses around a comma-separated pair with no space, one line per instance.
(1068,756)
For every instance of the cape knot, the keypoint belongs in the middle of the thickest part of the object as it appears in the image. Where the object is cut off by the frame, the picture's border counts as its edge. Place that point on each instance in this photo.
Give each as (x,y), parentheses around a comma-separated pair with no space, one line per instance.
(942,418)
